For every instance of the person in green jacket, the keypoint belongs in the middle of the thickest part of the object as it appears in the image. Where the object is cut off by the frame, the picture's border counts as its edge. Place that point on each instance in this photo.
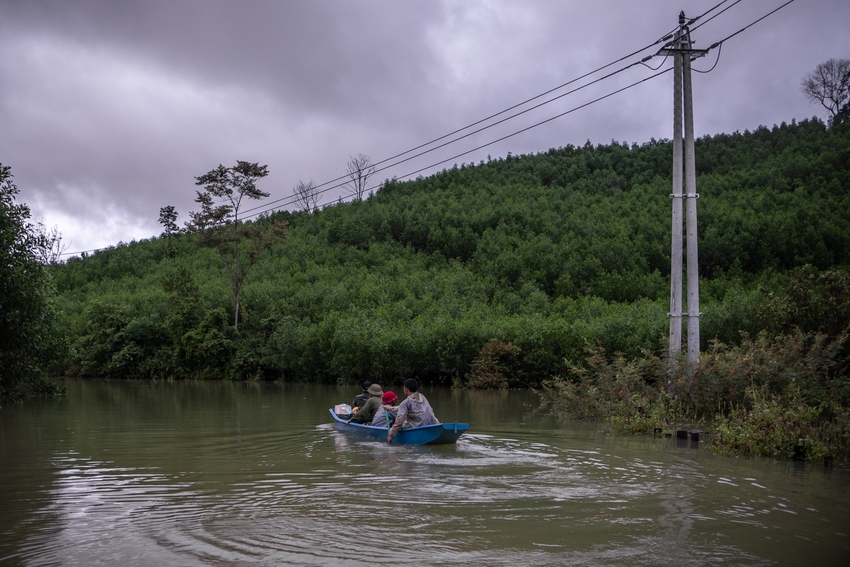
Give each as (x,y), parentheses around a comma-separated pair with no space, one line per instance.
(371,407)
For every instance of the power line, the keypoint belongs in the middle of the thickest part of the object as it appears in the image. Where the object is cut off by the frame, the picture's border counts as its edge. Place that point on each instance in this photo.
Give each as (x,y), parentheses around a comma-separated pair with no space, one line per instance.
(468,134)
(344,178)
(507,136)
(526,101)
(750,25)
(716,44)
(660,65)
(664,38)
(716,61)
(128,256)
(83,251)
(714,16)
(517,105)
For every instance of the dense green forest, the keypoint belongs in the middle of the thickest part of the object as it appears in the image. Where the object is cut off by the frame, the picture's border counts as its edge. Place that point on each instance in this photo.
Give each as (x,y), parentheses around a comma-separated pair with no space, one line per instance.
(547,253)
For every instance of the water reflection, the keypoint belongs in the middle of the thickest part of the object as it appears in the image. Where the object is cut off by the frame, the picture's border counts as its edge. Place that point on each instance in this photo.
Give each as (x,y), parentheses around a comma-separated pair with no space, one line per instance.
(140,475)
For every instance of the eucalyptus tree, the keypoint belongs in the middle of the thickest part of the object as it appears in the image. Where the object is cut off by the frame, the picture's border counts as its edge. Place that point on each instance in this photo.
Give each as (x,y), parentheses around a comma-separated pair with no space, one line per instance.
(240,244)
(168,220)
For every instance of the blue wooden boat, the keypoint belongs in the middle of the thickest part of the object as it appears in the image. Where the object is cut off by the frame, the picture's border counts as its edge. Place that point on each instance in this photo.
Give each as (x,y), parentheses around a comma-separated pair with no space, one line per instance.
(439,434)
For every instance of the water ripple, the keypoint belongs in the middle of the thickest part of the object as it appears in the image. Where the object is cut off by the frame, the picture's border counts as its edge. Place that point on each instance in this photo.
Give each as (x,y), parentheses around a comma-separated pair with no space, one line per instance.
(320,497)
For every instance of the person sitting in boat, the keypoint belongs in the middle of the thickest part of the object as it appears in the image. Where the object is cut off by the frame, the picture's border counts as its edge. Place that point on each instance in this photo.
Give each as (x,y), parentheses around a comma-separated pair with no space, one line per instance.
(413,411)
(362,397)
(387,410)
(371,407)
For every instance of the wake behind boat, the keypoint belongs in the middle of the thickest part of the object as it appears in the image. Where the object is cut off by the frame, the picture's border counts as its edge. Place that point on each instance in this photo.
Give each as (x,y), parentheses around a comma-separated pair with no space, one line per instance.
(438,434)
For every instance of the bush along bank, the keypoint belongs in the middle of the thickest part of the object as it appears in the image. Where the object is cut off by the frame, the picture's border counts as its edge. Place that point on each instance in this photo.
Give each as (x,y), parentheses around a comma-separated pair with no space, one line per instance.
(782,396)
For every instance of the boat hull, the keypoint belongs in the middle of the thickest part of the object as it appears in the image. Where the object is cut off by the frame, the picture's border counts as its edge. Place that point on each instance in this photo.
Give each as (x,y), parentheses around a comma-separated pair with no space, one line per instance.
(439,434)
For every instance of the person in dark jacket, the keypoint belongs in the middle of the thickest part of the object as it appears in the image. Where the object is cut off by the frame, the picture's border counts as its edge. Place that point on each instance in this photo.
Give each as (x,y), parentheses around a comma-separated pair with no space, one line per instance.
(363,397)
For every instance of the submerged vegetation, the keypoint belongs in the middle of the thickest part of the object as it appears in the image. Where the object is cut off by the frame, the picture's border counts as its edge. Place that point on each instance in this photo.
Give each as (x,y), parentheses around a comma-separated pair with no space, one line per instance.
(785,392)
(503,274)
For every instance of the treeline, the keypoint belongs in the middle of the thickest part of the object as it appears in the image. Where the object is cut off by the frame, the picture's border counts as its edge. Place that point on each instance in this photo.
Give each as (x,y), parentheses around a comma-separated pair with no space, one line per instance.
(546,253)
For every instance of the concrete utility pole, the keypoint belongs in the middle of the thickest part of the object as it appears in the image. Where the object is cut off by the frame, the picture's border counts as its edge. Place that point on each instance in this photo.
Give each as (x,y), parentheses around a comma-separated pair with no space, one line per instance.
(675,313)
(691,216)
(683,159)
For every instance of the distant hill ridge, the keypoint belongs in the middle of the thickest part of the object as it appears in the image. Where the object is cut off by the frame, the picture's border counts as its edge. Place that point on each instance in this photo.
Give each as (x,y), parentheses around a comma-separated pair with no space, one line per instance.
(547,252)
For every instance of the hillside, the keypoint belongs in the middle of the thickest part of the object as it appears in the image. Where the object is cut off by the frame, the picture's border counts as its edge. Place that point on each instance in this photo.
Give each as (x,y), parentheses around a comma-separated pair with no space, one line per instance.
(548,252)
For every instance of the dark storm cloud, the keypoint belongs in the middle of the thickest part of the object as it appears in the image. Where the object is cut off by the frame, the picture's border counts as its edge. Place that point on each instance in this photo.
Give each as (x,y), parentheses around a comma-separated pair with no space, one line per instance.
(313,54)
(109,109)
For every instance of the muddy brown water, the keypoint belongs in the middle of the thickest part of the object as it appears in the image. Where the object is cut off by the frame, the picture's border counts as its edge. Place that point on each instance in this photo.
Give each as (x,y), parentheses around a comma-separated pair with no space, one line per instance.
(215,473)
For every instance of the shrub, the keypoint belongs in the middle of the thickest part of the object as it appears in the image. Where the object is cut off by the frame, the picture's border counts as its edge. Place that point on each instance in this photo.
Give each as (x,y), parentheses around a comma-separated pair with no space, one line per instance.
(773,426)
(495,362)
(780,396)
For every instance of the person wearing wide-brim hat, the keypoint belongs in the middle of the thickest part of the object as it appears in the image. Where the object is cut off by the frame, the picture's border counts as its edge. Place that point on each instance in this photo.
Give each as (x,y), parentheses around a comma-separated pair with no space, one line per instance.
(370,408)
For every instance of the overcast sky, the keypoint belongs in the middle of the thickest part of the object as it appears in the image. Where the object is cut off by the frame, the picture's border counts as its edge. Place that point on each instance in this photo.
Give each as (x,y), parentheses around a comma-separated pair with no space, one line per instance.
(109,110)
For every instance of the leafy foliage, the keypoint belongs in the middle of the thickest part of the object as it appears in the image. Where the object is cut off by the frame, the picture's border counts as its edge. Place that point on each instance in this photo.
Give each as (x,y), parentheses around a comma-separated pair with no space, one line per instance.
(493,366)
(28,341)
(813,301)
(239,244)
(773,427)
(773,395)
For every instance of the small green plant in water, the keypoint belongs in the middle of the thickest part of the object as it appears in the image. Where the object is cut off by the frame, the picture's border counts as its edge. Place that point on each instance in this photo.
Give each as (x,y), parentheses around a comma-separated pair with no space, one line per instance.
(771,427)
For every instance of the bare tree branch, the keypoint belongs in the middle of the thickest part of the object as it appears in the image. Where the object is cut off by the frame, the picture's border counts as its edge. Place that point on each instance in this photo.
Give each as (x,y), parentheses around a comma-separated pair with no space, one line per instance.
(360,169)
(829,84)
(306,196)
(48,243)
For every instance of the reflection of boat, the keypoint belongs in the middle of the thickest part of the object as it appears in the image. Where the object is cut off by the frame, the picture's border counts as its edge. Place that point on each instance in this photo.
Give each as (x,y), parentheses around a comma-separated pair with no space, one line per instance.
(439,434)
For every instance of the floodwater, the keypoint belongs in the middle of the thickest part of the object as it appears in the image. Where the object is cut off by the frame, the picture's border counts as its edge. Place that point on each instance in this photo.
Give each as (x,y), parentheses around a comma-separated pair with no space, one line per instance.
(216,473)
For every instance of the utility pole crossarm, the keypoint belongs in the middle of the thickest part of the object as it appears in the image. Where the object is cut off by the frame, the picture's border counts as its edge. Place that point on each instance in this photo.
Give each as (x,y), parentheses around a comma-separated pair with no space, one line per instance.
(695,53)
(682,43)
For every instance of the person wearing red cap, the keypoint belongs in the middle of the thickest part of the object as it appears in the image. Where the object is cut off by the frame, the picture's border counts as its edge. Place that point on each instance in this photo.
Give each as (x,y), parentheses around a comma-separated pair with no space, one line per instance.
(386,411)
